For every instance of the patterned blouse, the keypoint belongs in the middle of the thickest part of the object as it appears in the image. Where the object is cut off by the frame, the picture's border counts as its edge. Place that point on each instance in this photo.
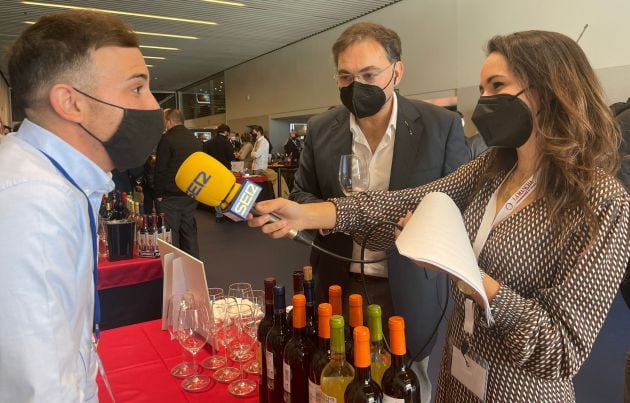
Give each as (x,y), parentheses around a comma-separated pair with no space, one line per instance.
(555,293)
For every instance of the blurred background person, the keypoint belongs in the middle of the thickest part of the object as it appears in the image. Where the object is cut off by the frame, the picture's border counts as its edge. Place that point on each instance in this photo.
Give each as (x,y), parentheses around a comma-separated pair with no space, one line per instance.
(292,148)
(176,145)
(221,149)
(244,154)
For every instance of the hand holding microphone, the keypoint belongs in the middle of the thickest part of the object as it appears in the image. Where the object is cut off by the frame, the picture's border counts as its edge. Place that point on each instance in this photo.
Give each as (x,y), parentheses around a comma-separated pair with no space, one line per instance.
(206,180)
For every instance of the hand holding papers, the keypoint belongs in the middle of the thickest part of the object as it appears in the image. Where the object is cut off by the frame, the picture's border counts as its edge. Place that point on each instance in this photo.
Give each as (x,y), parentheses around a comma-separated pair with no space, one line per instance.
(436,237)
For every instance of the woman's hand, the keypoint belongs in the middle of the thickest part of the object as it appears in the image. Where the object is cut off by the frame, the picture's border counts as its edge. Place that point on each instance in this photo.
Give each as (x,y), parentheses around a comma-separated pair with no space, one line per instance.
(293,216)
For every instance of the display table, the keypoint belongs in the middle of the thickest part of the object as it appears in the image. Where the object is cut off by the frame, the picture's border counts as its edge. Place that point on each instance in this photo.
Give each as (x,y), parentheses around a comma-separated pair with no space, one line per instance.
(138,359)
(130,291)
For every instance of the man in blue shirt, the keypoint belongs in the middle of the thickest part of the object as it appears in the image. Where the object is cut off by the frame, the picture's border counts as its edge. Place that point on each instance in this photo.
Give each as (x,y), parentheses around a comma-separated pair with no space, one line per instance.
(84,87)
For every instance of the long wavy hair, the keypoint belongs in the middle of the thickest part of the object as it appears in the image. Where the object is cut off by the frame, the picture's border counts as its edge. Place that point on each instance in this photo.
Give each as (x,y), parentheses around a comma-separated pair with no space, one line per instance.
(577,133)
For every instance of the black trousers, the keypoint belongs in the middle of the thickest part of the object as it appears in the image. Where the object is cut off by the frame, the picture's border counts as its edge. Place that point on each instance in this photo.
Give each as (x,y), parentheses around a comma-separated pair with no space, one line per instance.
(180,216)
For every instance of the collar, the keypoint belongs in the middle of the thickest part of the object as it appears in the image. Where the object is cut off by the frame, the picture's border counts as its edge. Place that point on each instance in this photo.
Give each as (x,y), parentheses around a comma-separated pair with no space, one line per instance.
(391,126)
(89,176)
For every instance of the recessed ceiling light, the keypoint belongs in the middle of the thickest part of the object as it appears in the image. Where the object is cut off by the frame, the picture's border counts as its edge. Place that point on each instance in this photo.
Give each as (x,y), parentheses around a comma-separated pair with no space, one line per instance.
(165,35)
(29,22)
(158,47)
(157,17)
(154,57)
(150,65)
(228,3)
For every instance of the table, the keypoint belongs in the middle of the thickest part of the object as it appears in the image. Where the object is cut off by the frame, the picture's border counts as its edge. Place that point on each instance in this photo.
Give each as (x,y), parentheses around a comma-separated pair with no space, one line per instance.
(289,171)
(130,291)
(138,359)
(263,181)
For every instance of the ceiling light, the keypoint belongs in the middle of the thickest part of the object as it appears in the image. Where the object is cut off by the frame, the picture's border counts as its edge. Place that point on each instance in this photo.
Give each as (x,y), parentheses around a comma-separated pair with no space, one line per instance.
(157,47)
(228,3)
(154,57)
(29,22)
(150,65)
(157,17)
(165,35)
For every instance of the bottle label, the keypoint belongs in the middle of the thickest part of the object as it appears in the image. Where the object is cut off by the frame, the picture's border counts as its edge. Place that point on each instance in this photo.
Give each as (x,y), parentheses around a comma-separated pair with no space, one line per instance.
(314,392)
(389,399)
(259,348)
(168,236)
(328,399)
(270,372)
(286,377)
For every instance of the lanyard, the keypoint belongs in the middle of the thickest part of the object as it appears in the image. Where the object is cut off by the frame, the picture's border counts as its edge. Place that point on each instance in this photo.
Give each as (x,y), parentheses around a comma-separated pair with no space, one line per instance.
(489,221)
(97,305)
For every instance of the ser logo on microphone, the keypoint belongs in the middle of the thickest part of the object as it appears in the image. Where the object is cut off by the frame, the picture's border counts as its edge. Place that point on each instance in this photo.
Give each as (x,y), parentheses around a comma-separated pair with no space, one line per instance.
(196,186)
(244,201)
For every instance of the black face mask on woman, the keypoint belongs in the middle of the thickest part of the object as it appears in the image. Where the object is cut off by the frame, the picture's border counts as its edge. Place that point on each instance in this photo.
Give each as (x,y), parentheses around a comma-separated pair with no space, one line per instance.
(137,135)
(363,100)
(503,120)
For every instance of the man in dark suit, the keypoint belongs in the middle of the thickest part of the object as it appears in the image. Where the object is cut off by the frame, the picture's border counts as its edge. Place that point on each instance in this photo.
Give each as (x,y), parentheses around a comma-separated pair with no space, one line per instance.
(221,149)
(174,147)
(406,143)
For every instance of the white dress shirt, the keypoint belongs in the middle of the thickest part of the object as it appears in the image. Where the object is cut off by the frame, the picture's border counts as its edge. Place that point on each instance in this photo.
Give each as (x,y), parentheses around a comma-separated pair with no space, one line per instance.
(260,154)
(380,168)
(46,272)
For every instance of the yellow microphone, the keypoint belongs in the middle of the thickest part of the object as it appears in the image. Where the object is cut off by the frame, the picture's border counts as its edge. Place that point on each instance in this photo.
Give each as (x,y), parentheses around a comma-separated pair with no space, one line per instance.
(208,181)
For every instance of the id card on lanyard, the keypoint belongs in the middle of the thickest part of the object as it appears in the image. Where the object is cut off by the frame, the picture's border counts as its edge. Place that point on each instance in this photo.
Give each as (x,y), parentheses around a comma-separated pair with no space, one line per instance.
(467,366)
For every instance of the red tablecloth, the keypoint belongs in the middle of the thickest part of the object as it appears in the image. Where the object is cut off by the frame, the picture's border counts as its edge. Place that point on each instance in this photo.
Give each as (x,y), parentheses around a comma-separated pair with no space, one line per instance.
(251,178)
(138,359)
(128,272)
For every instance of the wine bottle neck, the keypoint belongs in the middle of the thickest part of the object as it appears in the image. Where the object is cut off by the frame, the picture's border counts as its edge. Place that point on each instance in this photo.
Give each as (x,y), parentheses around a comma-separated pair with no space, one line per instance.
(398,361)
(363,374)
(324,344)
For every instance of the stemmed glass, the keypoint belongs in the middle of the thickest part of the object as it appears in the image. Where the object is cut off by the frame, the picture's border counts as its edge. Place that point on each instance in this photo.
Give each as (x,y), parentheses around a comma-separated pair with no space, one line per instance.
(192,332)
(258,303)
(240,292)
(215,361)
(227,309)
(175,303)
(354,176)
(241,345)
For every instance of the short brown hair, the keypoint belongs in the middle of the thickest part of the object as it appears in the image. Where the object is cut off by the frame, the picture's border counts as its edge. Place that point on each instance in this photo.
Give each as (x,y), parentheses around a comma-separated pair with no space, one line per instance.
(387,38)
(59,44)
(174,115)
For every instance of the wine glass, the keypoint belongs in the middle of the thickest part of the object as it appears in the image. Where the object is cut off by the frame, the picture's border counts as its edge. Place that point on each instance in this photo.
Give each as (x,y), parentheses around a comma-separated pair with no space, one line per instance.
(227,329)
(258,303)
(240,291)
(241,345)
(193,331)
(215,361)
(175,303)
(354,175)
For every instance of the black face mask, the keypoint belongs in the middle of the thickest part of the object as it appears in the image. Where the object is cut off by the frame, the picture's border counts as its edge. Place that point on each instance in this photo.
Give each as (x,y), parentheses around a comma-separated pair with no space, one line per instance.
(503,120)
(363,100)
(136,136)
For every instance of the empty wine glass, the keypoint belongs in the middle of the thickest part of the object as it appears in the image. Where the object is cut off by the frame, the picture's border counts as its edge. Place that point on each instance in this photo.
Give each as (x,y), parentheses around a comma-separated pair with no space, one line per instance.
(192,333)
(175,303)
(353,174)
(242,344)
(258,303)
(240,291)
(227,329)
(215,361)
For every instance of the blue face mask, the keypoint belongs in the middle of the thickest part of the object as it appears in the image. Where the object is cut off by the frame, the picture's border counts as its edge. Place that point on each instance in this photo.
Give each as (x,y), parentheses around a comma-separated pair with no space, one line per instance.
(135,138)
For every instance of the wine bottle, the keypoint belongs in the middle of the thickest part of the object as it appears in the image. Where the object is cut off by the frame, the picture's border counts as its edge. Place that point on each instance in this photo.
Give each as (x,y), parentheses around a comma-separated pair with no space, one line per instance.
(338,373)
(277,338)
(309,293)
(166,229)
(381,359)
(400,383)
(334,298)
(298,288)
(355,319)
(143,235)
(153,232)
(297,355)
(263,329)
(321,356)
(362,388)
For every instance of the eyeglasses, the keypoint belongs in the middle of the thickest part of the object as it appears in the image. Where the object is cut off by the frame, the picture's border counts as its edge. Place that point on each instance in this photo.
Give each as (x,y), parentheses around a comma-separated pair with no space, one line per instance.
(368,76)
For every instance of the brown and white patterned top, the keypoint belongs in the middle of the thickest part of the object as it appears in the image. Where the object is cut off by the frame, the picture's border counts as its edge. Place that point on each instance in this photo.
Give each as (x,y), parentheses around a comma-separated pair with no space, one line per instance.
(555,293)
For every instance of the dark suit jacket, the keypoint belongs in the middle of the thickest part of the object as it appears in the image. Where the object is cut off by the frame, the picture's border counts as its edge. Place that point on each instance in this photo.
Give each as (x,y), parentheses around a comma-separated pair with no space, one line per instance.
(174,147)
(429,144)
(221,149)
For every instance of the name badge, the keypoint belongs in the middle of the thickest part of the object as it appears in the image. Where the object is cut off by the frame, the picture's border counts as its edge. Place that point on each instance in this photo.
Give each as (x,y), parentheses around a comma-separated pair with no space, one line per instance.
(471,371)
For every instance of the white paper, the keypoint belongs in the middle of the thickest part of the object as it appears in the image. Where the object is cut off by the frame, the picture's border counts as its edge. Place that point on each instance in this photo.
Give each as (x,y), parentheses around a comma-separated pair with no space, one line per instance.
(436,236)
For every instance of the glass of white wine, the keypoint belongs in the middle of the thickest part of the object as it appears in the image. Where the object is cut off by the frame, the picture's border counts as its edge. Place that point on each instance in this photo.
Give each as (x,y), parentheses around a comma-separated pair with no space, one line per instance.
(354,176)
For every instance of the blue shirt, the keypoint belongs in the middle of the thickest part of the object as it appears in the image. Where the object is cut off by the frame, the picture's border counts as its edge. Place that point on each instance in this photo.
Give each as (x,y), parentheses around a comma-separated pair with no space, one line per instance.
(46,269)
